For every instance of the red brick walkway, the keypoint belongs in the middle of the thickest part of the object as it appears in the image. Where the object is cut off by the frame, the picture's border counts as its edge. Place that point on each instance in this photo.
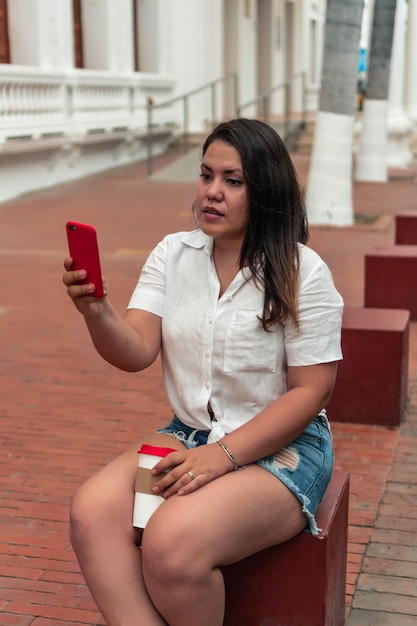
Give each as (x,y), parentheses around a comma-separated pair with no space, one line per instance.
(64,412)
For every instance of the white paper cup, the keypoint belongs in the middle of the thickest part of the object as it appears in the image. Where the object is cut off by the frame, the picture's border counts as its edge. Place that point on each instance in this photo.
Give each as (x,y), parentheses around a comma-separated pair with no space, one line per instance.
(146,502)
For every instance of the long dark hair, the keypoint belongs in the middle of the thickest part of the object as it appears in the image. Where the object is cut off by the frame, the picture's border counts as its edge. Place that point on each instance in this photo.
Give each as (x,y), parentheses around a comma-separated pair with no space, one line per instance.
(277,218)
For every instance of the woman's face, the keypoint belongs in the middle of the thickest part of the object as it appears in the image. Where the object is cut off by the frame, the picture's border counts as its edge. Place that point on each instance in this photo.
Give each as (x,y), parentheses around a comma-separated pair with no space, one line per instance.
(222,197)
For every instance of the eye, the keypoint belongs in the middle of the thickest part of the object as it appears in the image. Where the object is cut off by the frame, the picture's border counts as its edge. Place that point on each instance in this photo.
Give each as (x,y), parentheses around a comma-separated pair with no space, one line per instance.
(205,176)
(234,182)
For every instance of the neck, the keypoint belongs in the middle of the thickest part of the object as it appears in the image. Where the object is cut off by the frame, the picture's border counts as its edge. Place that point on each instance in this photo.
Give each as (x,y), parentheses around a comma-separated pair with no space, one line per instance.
(228,249)
(226,261)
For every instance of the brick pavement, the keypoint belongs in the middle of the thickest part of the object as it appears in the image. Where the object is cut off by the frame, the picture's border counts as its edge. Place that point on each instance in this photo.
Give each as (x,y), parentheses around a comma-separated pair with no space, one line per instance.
(64,412)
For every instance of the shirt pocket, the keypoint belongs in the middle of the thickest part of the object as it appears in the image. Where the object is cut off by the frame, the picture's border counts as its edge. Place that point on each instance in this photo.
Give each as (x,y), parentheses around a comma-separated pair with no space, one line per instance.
(247,346)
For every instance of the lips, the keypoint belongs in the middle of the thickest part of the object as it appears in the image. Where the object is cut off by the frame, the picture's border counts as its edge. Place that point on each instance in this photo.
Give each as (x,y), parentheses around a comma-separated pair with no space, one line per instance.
(211,211)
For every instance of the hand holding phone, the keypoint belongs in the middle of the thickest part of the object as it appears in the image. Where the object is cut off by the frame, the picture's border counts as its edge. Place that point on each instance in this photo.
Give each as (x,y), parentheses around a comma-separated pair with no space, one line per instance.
(83,248)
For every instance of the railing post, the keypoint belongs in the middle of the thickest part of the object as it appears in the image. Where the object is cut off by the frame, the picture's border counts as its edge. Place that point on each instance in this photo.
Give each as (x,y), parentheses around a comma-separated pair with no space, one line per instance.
(236,107)
(148,131)
(131,100)
(265,108)
(185,114)
(213,103)
(67,92)
(304,100)
(287,107)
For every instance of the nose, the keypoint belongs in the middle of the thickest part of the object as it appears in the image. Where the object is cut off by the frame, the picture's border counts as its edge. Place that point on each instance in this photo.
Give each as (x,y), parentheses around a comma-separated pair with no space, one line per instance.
(215,190)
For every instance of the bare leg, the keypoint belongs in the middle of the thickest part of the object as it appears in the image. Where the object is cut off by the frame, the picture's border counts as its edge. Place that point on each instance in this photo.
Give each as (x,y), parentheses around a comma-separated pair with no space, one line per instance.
(106,543)
(190,537)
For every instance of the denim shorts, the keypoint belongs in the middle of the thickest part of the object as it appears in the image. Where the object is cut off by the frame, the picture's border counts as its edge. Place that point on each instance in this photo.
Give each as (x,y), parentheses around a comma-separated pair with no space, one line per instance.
(305,466)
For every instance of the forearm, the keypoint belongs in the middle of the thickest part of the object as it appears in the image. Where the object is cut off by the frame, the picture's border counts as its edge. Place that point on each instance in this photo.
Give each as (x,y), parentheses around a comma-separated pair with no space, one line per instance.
(118,342)
(272,429)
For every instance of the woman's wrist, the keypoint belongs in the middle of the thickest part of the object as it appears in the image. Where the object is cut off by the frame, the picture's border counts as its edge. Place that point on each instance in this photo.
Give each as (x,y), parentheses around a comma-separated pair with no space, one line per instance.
(231,457)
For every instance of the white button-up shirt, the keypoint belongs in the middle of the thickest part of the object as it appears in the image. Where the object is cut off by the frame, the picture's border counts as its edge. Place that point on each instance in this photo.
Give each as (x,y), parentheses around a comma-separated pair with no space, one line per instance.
(215,349)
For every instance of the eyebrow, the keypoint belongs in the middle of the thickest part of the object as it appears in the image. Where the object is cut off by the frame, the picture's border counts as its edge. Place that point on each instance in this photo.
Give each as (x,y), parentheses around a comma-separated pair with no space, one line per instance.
(232,170)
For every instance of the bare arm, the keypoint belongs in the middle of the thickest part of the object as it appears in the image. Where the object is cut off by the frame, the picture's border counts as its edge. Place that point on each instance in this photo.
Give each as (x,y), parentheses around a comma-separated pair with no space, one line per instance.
(130,343)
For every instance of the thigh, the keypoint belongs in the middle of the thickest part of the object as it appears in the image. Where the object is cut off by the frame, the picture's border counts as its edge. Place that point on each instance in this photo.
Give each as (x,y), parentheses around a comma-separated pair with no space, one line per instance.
(110,492)
(231,517)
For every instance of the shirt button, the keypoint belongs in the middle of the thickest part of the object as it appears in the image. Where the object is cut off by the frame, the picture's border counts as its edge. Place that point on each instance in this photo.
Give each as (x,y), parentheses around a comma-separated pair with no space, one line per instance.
(230,298)
(207,384)
(210,320)
(207,353)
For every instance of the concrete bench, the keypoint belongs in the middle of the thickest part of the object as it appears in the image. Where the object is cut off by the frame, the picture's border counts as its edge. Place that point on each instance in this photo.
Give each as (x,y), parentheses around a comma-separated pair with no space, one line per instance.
(406,228)
(371,384)
(391,278)
(301,582)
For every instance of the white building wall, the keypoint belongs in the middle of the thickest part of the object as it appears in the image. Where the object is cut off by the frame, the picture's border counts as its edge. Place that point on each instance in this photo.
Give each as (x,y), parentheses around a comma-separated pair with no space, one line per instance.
(246,50)
(40,33)
(182,45)
(241,46)
(275,22)
(108,35)
(411,82)
(167,37)
(312,61)
(193,40)
(148,22)
(95,34)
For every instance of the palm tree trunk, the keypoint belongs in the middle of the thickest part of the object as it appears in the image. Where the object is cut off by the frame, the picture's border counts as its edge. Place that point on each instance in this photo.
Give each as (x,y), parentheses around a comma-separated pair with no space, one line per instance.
(371,161)
(329,185)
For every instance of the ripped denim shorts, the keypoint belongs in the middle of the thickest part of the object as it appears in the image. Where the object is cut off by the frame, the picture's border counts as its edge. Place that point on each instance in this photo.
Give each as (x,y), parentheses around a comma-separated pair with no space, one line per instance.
(305,466)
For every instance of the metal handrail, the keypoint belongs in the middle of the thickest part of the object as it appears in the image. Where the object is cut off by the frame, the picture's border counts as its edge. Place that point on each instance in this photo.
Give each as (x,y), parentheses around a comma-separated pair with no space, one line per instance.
(263,110)
(151,106)
(264,100)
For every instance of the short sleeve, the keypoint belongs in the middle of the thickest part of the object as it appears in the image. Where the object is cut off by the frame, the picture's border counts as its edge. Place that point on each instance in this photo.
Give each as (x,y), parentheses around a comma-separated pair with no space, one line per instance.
(318,338)
(149,293)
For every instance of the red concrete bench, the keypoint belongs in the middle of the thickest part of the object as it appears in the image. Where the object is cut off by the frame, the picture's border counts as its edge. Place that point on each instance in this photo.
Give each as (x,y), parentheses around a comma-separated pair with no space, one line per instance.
(406,228)
(391,278)
(301,582)
(371,385)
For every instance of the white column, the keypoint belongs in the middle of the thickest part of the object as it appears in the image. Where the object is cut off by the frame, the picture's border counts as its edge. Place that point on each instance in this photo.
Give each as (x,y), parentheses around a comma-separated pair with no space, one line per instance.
(120,27)
(41,33)
(329,184)
(246,49)
(371,154)
(399,126)
(411,62)
(148,28)
(108,35)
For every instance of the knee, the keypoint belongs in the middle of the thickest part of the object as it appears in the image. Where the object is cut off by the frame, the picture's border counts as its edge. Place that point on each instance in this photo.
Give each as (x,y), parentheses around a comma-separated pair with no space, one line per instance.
(83,515)
(170,555)
(92,513)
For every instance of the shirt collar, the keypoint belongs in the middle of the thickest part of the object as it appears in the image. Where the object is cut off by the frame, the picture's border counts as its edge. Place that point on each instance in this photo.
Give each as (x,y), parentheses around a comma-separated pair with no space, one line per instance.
(197,239)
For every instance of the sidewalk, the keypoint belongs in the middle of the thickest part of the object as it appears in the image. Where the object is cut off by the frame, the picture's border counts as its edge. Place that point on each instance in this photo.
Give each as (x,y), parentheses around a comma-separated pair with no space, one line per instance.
(64,412)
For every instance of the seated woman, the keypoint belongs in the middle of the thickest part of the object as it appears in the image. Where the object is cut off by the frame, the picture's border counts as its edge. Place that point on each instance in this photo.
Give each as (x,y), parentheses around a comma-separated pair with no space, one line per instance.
(248,321)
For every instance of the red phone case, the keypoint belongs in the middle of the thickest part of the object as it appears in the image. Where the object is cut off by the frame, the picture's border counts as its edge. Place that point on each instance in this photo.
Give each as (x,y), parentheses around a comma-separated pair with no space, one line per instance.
(83,248)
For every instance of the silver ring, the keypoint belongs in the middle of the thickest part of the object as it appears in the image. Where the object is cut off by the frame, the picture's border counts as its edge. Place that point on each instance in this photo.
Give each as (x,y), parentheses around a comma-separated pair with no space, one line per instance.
(191,475)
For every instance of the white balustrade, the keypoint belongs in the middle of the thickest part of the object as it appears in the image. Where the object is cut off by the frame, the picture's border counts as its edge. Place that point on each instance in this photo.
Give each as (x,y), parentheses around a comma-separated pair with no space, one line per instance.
(38,103)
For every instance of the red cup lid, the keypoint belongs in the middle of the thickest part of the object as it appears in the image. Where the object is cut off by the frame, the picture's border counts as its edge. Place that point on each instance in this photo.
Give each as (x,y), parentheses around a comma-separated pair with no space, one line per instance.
(155,450)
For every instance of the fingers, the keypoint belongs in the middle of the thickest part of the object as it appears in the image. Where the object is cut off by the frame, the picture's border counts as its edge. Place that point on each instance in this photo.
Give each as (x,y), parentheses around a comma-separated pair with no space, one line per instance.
(74,280)
(192,483)
(74,289)
(183,485)
(68,261)
(186,471)
(71,277)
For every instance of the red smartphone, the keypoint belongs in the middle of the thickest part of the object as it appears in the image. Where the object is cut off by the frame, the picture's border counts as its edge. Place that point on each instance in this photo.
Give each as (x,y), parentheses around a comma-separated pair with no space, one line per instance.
(83,248)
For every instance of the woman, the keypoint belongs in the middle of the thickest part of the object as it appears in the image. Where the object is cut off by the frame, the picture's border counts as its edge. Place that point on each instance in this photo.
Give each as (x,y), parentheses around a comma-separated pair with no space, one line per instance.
(248,322)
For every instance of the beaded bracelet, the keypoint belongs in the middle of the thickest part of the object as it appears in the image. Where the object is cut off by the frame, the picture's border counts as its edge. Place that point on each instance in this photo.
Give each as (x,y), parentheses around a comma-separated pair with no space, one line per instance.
(231,457)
